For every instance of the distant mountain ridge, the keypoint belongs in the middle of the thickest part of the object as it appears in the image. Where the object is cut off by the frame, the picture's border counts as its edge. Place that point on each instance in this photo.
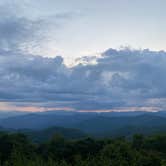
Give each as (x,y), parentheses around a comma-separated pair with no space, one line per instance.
(119,125)
(95,124)
(7,114)
(40,121)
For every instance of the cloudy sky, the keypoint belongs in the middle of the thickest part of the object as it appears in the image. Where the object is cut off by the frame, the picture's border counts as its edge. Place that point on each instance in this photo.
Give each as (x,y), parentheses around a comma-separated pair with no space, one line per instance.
(82,55)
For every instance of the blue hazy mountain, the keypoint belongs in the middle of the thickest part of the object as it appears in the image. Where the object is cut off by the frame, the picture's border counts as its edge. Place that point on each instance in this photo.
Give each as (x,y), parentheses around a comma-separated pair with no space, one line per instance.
(45,119)
(124,125)
(7,114)
(95,124)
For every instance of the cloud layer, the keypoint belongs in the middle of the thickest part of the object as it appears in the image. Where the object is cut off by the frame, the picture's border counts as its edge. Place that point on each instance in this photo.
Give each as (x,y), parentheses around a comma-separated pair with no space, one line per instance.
(123,79)
(119,79)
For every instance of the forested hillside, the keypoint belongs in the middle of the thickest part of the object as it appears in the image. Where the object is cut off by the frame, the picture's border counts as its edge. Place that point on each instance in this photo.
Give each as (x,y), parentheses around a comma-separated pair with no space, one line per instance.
(17,150)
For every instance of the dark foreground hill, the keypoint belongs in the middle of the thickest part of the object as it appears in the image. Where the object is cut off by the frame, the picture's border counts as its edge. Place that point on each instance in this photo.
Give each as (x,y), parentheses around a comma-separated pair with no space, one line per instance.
(17,150)
(46,134)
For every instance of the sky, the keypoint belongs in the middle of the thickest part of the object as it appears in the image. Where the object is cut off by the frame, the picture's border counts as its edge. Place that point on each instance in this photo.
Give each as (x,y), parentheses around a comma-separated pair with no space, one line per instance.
(82,55)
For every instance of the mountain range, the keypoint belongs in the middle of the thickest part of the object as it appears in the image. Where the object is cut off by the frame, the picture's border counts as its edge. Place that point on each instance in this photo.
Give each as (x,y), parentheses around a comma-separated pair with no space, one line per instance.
(42,125)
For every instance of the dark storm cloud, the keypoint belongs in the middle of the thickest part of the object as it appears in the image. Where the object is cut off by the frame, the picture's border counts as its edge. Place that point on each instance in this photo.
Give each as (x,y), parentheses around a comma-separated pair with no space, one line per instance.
(119,78)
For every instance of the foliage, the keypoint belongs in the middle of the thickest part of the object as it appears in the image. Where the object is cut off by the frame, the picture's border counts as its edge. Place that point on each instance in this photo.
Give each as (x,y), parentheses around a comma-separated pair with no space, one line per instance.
(17,150)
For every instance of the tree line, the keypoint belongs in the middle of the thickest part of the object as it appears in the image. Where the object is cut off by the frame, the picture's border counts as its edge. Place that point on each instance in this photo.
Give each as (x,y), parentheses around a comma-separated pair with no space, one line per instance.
(17,150)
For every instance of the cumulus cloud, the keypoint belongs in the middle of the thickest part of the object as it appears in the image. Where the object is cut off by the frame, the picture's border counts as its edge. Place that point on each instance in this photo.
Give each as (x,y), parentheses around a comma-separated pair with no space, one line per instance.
(119,79)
